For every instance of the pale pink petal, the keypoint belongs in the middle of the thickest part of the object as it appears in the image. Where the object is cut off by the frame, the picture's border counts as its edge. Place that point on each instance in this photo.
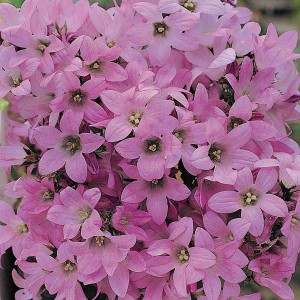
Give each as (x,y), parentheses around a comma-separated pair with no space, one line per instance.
(118,129)
(212,286)
(201,160)
(225,202)
(254,215)
(201,258)
(214,224)
(51,161)
(134,192)
(90,142)
(157,207)
(47,136)
(273,205)
(266,179)
(130,148)
(76,168)
(179,278)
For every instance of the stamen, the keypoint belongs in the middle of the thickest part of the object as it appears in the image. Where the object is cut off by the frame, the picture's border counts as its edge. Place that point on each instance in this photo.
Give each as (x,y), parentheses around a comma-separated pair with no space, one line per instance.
(69,266)
(72,144)
(160,28)
(153,146)
(95,65)
(231,237)
(135,119)
(84,214)
(99,240)
(123,220)
(189,5)
(16,81)
(111,43)
(294,222)
(43,46)
(183,255)
(48,195)
(77,97)
(22,229)
(214,153)
(179,134)
(235,122)
(249,198)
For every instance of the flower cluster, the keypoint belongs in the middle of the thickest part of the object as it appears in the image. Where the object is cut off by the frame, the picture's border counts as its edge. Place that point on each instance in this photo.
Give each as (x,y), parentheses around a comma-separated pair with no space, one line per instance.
(153,145)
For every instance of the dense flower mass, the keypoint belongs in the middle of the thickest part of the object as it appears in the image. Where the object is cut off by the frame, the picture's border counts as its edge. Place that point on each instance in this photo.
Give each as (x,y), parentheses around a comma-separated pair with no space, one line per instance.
(153,151)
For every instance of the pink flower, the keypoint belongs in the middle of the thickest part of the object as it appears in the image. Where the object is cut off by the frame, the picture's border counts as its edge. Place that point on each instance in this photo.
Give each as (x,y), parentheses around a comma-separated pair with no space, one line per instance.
(134,112)
(235,230)
(62,274)
(12,79)
(175,254)
(76,211)
(67,147)
(251,85)
(291,229)
(77,98)
(14,231)
(251,198)
(161,33)
(129,220)
(271,271)
(98,60)
(229,261)
(157,192)
(223,152)
(155,153)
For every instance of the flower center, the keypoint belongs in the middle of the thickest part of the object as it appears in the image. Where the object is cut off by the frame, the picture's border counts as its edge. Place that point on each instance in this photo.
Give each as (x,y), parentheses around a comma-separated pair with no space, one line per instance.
(43,46)
(111,43)
(231,237)
(99,240)
(153,146)
(160,28)
(249,198)
(183,255)
(16,81)
(69,266)
(215,153)
(189,5)
(48,195)
(294,221)
(22,229)
(95,65)
(123,220)
(179,134)
(156,183)
(77,97)
(135,119)
(72,144)
(84,214)
(235,122)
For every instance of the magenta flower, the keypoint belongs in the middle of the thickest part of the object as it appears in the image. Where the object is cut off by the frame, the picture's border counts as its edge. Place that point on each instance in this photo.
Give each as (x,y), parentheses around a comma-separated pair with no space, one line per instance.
(175,254)
(12,79)
(233,290)
(251,198)
(251,85)
(235,230)
(291,229)
(157,192)
(14,231)
(134,112)
(129,220)
(76,211)
(155,153)
(77,98)
(271,271)
(229,263)
(62,274)
(161,33)
(223,152)
(67,147)
(98,61)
